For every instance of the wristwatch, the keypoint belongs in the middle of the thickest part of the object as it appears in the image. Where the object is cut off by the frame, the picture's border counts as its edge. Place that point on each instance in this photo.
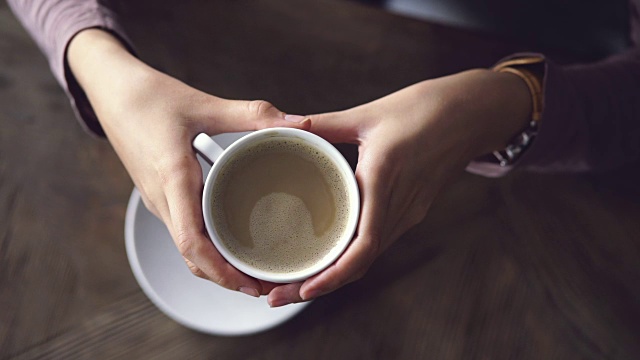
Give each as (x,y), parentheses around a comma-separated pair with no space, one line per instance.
(530,69)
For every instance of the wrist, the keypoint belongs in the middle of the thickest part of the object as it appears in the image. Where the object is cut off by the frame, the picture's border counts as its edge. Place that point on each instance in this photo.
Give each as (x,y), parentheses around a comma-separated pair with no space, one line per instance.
(105,70)
(511,110)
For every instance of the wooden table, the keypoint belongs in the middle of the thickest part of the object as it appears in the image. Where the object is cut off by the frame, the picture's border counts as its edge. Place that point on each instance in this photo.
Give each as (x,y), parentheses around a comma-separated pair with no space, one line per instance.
(524,267)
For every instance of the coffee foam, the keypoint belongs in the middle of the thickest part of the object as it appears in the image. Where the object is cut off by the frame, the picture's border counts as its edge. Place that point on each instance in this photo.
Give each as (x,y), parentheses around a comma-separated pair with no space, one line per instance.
(283,235)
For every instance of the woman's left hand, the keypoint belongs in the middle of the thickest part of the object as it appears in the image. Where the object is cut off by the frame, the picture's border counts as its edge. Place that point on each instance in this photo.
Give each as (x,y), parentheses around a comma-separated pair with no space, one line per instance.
(411,144)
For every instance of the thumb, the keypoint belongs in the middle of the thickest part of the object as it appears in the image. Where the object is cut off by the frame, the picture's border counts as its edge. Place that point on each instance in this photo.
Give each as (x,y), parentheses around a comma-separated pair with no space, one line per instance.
(242,115)
(337,127)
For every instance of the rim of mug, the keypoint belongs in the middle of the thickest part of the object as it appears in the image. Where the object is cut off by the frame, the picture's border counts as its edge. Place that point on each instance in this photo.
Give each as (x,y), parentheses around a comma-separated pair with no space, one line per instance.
(346,173)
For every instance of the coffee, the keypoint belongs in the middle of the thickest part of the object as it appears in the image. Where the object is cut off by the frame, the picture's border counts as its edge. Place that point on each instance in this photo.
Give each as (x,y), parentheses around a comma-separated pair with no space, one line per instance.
(280,205)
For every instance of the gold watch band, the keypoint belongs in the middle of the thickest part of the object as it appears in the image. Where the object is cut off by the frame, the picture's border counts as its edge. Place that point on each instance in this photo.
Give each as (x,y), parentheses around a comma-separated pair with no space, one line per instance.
(525,69)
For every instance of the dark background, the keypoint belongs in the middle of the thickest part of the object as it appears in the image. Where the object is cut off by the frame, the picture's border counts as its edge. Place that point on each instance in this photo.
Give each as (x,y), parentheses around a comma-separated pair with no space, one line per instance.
(589,29)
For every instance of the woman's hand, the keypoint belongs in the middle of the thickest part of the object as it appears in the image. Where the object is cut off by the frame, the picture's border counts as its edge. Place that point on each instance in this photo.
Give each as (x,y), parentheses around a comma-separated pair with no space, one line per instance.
(411,144)
(151,120)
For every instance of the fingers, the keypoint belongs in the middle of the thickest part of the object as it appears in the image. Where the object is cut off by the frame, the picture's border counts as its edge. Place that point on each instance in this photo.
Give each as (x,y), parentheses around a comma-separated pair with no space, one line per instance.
(267,286)
(285,294)
(363,250)
(239,115)
(182,189)
(337,127)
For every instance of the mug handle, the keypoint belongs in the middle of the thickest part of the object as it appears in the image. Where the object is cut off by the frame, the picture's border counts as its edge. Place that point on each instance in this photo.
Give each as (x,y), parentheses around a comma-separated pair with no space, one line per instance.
(208,148)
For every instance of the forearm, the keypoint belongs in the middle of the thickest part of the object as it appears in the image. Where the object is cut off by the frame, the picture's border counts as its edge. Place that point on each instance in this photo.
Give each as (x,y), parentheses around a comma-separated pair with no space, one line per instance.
(607,99)
(590,120)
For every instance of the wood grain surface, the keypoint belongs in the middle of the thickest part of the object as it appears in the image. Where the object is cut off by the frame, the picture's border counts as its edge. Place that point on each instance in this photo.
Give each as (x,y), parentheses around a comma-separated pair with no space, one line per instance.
(529,266)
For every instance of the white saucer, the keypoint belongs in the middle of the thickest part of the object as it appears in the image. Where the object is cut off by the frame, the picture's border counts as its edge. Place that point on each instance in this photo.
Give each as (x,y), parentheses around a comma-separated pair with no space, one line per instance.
(193,302)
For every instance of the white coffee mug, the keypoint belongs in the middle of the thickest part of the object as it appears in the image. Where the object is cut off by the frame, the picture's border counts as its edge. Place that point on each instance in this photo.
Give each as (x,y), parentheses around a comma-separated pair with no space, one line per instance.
(218,157)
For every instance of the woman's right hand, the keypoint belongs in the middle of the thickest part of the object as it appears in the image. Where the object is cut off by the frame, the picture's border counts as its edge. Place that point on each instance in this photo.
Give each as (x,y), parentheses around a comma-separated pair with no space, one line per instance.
(151,119)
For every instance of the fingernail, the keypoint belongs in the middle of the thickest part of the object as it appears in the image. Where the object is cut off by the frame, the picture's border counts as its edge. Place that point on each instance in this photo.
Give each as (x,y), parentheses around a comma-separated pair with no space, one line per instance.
(294,118)
(281,302)
(312,294)
(249,291)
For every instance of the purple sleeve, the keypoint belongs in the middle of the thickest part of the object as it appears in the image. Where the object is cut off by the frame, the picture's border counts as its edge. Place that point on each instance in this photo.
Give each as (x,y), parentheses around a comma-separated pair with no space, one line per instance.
(52,24)
(591,117)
